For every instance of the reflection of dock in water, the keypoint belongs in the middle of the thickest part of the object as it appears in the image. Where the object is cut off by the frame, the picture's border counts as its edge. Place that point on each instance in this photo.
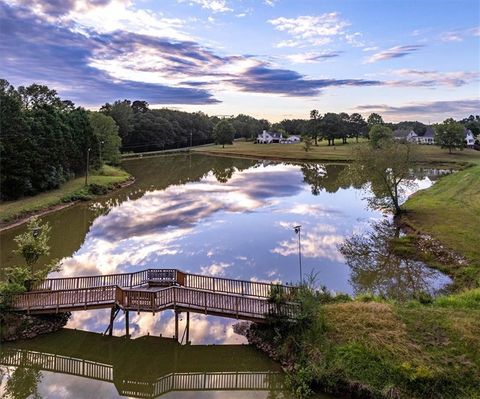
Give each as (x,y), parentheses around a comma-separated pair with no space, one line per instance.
(146,367)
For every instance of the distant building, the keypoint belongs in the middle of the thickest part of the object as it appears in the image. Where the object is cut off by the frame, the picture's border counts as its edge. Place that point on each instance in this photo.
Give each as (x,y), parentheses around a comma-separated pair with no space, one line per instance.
(405,135)
(428,137)
(291,140)
(269,137)
(469,138)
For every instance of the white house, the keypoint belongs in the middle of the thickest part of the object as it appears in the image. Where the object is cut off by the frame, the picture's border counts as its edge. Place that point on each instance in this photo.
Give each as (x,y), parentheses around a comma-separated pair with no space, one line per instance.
(469,138)
(405,135)
(269,137)
(291,140)
(428,137)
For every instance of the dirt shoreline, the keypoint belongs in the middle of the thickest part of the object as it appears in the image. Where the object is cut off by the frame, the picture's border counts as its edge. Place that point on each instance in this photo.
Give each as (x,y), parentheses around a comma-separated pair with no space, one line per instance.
(53,208)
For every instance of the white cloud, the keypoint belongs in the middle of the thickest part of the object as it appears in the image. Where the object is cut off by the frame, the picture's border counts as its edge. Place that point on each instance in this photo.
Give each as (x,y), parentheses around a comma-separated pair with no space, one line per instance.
(215,269)
(459,35)
(315,30)
(270,3)
(311,57)
(394,52)
(212,5)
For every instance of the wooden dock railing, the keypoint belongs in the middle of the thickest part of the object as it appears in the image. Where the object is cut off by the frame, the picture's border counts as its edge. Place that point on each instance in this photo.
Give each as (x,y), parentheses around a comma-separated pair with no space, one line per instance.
(174,297)
(162,277)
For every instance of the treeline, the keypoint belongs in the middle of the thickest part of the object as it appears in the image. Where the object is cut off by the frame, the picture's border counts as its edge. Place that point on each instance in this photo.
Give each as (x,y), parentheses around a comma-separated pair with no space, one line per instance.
(143,129)
(44,141)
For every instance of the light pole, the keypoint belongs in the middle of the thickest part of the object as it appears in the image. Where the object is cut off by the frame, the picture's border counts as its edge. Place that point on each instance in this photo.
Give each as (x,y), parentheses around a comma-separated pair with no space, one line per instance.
(191,138)
(86,170)
(298,230)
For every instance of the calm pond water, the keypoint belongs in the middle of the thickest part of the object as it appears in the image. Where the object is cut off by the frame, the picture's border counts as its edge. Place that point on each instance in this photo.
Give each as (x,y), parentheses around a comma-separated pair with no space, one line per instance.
(220,217)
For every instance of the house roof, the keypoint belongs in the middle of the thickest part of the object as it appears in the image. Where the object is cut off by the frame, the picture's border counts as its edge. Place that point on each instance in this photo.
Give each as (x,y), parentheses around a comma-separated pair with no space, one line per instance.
(403,133)
(430,132)
(467,132)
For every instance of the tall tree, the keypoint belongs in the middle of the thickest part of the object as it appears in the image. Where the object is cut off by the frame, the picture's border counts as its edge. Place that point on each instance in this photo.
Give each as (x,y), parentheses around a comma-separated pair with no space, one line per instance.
(315,125)
(450,134)
(106,131)
(387,170)
(379,134)
(223,133)
(345,126)
(358,125)
(122,113)
(374,119)
(330,125)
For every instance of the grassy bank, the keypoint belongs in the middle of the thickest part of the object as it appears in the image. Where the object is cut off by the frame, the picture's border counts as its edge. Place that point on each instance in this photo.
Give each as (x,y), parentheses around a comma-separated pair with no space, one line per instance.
(340,152)
(376,349)
(99,181)
(450,212)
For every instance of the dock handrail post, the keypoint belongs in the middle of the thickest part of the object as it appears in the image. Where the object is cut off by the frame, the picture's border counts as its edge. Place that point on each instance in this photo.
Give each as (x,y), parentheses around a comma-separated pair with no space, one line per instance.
(127,332)
(188,328)
(176,325)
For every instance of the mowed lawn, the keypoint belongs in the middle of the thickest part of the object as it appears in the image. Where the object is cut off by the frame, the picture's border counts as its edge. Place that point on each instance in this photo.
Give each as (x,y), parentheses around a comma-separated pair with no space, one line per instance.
(450,211)
(108,176)
(322,152)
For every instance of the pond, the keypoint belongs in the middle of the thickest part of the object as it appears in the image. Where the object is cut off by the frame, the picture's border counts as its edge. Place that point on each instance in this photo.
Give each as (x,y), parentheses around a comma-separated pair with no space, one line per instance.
(234,218)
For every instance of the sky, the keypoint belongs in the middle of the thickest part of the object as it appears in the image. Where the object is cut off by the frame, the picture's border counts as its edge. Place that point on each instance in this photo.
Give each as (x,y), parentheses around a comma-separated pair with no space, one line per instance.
(274,59)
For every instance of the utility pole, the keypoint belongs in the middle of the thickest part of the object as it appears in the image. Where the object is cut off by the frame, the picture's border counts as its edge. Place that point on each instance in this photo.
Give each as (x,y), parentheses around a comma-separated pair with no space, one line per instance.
(86,170)
(298,230)
(191,138)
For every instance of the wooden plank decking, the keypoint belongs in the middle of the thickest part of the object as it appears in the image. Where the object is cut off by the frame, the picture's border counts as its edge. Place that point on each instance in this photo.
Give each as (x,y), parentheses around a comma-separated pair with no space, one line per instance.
(154,290)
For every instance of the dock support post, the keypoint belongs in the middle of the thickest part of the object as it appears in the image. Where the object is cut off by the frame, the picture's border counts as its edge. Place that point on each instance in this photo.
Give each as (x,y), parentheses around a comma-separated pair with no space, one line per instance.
(188,328)
(176,325)
(112,317)
(127,332)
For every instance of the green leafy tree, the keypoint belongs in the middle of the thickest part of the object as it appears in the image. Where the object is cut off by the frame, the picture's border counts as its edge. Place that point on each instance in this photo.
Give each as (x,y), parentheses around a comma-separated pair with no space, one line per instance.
(358,126)
(106,131)
(31,245)
(315,125)
(450,134)
(307,142)
(122,113)
(223,133)
(379,134)
(387,170)
(374,119)
(331,126)
(34,242)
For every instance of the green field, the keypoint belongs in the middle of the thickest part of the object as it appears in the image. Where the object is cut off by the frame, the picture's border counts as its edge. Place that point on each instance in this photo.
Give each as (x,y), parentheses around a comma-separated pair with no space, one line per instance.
(340,152)
(108,177)
(450,212)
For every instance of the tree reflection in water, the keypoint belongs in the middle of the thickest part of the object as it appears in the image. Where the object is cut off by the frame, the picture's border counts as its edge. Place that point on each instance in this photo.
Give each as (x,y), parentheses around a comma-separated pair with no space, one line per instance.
(379,267)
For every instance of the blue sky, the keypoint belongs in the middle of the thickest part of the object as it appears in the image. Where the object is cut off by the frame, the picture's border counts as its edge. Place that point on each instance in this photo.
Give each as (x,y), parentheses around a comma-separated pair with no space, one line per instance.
(273,59)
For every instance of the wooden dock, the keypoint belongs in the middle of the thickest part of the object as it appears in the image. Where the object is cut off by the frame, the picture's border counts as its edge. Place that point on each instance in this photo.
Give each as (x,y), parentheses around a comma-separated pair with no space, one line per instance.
(155,290)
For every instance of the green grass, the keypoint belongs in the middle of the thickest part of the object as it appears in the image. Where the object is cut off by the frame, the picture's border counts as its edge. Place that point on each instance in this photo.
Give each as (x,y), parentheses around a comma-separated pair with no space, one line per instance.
(339,152)
(105,178)
(379,349)
(450,212)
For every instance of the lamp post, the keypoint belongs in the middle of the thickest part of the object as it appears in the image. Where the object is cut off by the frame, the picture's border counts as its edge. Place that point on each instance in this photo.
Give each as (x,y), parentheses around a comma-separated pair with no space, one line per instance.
(298,230)
(86,169)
